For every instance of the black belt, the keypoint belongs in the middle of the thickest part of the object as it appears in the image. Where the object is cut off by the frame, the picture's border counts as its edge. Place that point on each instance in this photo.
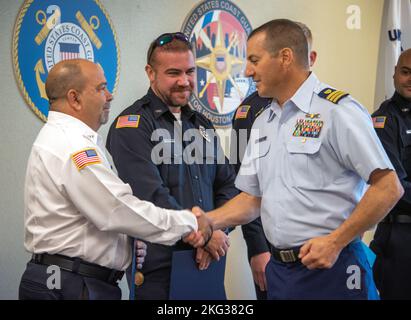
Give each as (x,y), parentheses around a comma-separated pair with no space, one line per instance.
(285,255)
(397,218)
(79,266)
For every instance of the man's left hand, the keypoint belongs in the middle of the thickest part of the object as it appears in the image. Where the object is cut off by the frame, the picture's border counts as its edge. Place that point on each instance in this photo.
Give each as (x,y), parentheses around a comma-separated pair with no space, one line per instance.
(218,245)
(203,258)
(319,253)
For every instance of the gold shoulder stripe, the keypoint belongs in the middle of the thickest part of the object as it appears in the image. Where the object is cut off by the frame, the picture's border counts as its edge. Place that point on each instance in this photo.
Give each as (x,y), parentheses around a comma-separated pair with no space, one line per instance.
(332,95)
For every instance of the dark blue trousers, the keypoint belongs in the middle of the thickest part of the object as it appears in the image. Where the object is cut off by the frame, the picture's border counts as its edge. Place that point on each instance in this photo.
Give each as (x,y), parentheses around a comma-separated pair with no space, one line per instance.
(392,268)
(295,281)
(33,286)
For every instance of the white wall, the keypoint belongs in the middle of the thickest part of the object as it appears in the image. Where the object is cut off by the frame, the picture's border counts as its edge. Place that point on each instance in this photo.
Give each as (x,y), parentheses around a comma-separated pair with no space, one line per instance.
(347,60)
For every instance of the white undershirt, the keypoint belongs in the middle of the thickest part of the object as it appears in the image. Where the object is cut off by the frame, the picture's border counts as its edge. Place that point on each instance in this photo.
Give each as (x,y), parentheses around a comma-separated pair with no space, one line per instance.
(177,115)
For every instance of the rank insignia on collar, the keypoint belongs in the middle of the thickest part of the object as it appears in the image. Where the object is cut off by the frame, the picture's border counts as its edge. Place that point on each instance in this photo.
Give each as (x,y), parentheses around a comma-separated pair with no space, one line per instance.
(204,133)
(379,122)
(308,128)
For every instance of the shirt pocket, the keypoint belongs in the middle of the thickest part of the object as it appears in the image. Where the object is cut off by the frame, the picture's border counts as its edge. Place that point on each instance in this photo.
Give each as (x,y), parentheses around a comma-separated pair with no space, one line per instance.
(406,142)
(258,160)
(172,168)
(261,149)
(210,159)
(309,147)
(302,169)
(406,151)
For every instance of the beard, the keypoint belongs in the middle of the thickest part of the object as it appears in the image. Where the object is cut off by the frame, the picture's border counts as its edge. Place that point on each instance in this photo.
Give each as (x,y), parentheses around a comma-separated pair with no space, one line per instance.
(179,96)
(104,115)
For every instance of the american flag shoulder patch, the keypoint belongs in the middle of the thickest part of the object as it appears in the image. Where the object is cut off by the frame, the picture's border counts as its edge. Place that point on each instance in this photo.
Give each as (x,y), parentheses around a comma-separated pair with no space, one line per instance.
(129,121)
(84,158)
(242,112)
(379,122)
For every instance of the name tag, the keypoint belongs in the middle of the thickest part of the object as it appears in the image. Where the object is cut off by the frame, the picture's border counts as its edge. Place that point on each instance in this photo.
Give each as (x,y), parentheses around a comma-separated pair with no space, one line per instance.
(408,131)
(261,139)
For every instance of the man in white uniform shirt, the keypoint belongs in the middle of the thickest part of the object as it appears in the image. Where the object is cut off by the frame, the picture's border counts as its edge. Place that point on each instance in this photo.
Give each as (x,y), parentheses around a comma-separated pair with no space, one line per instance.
(78,213)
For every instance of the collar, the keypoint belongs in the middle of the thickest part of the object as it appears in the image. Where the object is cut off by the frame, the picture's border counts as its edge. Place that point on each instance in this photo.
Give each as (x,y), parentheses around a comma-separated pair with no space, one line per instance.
(401,102)
(159,107)
(74,124)
(302,97)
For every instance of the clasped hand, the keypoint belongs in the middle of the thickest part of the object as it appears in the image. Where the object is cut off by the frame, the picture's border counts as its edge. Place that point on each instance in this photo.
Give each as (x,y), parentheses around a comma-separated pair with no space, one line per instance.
(202,236)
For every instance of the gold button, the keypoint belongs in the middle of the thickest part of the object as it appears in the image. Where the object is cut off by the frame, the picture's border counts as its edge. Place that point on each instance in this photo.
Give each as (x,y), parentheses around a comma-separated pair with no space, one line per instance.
(304,140)
(138,278)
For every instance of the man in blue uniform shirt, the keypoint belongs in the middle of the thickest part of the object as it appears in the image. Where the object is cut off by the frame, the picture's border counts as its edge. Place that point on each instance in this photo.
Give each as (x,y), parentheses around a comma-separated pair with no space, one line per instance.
(392,122)
(171,156)
(305,171)
(257,245)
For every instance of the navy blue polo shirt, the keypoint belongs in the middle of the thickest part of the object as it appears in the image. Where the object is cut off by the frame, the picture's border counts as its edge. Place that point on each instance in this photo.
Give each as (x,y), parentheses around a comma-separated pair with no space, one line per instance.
(392,122)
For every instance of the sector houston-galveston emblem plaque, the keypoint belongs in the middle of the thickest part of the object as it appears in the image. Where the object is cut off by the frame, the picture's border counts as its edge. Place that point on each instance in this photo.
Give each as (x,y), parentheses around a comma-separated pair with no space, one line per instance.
(218,32)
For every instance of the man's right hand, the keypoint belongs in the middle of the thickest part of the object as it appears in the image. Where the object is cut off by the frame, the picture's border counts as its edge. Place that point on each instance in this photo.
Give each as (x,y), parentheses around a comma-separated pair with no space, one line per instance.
(258,264)
(204,232)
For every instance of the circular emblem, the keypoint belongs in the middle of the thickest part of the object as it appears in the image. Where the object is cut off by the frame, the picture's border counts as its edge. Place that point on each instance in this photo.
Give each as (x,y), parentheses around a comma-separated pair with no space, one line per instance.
(47,32)
(218,31)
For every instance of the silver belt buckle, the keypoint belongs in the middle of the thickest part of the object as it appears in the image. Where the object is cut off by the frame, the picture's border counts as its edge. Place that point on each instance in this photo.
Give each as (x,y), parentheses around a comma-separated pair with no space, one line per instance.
(288,256)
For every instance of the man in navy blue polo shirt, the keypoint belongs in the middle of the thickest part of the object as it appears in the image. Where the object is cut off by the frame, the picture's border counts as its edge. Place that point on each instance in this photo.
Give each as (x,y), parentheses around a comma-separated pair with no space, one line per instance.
(170,155)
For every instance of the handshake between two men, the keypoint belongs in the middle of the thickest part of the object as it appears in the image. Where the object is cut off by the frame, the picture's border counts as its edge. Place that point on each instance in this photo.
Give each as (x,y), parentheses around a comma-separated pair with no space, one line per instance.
(211,244)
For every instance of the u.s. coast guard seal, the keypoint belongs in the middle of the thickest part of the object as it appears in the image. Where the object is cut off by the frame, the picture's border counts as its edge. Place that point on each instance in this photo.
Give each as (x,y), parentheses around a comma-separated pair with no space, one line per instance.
(218,31)
(49,31)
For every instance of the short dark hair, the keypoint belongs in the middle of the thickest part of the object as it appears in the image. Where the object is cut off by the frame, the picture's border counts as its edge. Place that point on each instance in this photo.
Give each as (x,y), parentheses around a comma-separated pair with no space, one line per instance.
(307,32)
(178,43)
(284,33)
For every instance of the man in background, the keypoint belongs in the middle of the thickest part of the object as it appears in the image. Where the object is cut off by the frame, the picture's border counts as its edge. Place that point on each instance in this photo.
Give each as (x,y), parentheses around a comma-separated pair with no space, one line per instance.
(188,170)
(392,122)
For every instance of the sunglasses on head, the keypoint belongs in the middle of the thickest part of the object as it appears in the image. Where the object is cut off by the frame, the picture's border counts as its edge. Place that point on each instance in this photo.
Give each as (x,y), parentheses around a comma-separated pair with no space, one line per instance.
(164,39)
